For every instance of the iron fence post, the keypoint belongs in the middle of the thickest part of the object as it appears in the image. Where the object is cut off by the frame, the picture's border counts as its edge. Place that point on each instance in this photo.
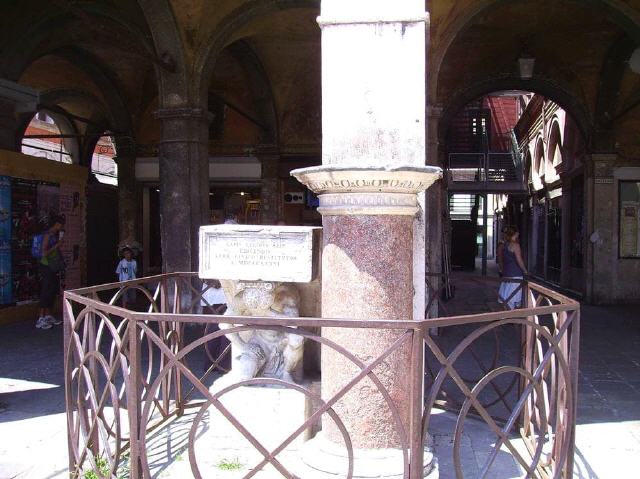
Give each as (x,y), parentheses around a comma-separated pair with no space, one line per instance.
(66,332)
(574,356)
(177,331)
(134,395)
(416,459)
(525,350)
(92,345)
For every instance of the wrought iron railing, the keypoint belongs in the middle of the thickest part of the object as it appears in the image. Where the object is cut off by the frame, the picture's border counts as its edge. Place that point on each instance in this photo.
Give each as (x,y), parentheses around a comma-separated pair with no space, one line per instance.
(129,374)
(483,168)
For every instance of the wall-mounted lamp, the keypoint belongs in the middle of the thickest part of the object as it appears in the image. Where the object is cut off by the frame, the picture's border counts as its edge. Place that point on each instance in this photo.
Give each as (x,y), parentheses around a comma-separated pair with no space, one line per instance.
(526,64)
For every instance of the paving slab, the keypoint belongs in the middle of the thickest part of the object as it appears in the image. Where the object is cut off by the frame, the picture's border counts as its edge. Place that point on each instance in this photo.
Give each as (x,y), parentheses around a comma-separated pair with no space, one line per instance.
(33,441)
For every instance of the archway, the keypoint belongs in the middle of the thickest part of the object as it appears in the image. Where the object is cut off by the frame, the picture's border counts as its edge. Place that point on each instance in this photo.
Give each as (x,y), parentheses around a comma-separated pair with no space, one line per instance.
(533,138)
(235,26)
(51,135)
(625,17)
(543,87)
(103,165)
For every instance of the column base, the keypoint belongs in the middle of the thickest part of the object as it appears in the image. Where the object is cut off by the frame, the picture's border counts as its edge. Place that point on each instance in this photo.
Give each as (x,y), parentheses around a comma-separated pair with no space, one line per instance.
(323,459)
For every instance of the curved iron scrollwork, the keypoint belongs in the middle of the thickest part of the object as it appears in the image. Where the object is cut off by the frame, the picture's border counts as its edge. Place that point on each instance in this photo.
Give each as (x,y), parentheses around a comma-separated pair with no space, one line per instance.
(130,373)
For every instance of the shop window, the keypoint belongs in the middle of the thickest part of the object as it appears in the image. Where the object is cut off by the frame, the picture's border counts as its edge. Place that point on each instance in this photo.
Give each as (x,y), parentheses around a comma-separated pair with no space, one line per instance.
(629,215)
(103,166)
(43,138)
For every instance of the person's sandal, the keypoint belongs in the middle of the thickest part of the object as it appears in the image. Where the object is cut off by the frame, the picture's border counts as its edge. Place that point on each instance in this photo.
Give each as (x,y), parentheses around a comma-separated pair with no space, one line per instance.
(42,323)
(52,320)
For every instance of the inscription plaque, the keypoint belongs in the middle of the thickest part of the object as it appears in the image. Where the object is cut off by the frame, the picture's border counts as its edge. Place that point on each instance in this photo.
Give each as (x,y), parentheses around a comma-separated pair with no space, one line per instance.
(258,253)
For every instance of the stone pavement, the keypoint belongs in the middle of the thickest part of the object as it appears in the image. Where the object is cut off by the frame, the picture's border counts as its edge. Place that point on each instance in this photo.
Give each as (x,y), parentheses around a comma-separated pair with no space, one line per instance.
(33,434)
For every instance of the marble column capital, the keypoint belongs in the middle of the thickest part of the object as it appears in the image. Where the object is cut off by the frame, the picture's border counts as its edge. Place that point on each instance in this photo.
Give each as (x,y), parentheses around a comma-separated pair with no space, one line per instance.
(345,190)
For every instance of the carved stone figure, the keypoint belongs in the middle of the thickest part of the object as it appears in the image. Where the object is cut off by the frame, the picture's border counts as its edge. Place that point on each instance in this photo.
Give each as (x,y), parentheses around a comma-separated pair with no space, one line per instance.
(259,352)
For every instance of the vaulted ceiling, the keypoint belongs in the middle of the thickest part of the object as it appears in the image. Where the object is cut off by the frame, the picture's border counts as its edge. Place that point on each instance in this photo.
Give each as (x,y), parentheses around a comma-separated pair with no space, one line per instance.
(255,64)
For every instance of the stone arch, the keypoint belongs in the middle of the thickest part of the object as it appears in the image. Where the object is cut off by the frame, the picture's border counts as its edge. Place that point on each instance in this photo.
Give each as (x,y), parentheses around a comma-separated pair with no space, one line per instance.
(114,114)
(620,12)
(527,165)
(50,102)
(64,124)
(16,55)
(538,163)
(261,88)
(613,69)
(555,150)
(206,56)
(171,68)
(545,87)
(116,108)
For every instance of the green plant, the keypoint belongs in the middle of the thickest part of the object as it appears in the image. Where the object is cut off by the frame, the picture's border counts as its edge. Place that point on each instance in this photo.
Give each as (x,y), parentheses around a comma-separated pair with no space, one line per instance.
(227,465)
(101,471)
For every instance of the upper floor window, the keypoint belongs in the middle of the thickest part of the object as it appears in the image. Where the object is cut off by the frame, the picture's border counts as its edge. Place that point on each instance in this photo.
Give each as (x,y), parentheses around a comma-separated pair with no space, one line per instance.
(44,138)
(103,166)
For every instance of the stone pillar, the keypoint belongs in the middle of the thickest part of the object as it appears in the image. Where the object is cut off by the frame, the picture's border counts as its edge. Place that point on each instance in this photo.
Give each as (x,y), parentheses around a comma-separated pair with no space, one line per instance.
(184,185)
(601,223)
(435,205)
(127,202)
(269,192)
(368,217)
(373,94)
(371,189)
(565,230)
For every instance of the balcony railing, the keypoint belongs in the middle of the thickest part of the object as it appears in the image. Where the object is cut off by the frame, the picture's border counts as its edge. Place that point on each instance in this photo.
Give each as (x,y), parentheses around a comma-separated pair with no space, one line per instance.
(484,171)
(130,374)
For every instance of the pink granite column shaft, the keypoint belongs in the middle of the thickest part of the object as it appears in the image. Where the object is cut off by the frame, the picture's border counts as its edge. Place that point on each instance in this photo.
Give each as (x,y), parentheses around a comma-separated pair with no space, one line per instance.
(368,216)
(367,274)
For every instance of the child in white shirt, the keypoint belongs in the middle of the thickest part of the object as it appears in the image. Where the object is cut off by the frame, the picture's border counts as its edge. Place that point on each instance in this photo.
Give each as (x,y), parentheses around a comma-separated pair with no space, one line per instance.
(126,270)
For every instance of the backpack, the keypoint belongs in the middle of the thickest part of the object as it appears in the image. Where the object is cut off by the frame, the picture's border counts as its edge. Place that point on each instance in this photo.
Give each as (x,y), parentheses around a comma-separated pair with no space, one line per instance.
(36,246)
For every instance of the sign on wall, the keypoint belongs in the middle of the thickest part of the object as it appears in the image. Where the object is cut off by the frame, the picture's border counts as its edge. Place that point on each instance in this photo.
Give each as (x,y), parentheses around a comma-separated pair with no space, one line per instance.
(629,219)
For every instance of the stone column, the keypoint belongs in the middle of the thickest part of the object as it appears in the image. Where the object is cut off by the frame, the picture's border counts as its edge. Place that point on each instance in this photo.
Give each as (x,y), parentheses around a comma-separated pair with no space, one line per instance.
(565,229)
(434,205)
(269,192)
(373,94)
(602,220)
(371,188)
(127,202)
(368,217)
(184,185)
